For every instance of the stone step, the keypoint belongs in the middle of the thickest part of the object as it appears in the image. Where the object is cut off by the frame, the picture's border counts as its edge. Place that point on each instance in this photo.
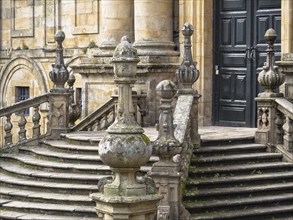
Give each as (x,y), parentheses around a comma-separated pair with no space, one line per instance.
(39,164)
(68,157)
(50,208)
(62,146)
(242,180)
(235,159)
(5,214)
(84,137)
(192,193)
(47,186)
(271,212)
(44,197)
(215,205)
(11,168)
(232,170)
(224,141)
(230,149)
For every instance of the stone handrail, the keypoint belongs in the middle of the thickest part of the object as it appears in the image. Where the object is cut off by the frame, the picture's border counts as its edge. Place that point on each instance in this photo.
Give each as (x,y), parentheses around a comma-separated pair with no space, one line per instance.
(275,113)
(104,116)
(19,109)
(284,127)
(100,119)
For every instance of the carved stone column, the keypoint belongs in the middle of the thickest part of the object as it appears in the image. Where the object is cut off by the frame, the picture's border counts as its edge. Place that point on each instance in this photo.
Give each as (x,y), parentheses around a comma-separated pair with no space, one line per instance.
(286,63)
(59,96)
(153,27)
(74,109)
(166,173)
(125,149)
(116,21)
(270,78)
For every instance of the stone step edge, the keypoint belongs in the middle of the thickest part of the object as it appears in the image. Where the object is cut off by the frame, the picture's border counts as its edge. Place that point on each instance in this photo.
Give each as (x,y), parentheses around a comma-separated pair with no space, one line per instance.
(240,168)
(239,190)
(241,179)
(239,201)
(5,214)
(232,147)
(245,213)
(229,158)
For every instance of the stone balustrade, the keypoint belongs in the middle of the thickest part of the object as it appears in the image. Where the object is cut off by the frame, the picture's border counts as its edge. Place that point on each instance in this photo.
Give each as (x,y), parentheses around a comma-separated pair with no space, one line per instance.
(275,113)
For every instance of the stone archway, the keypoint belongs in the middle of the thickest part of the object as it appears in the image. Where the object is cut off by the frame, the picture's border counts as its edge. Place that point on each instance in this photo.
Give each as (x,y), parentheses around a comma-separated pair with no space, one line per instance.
(31,71)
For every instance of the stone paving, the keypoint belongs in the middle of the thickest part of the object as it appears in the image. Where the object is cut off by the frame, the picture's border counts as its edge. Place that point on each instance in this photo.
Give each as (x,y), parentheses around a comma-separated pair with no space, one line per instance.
(206,133)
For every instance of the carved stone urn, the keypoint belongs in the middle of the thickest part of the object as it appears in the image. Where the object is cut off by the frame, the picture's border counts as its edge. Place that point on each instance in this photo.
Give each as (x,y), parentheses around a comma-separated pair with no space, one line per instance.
(125,148)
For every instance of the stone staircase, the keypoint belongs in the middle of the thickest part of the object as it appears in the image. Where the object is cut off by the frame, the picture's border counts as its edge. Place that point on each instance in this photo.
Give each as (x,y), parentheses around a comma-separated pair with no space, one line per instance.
(53,180)
(238,180)
(227,180)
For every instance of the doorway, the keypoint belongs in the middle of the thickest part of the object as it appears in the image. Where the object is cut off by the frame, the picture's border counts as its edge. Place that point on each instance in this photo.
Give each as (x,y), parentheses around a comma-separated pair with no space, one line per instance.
(240,53)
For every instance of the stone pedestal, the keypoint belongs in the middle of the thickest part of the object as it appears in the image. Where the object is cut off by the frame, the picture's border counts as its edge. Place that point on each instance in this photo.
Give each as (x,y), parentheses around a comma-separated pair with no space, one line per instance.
(130,208)
(125,149)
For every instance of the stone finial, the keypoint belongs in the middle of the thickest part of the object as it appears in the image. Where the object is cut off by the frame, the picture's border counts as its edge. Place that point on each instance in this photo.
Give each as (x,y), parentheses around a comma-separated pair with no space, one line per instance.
(59,74)
(270,77)
(187,73)
(125,148)
(166,146)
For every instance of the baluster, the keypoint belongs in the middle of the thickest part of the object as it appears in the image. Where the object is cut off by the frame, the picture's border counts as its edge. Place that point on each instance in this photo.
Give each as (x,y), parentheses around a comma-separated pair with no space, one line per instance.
(107,124)
(279,130)
(288,134)
(21,125)
(8,127)
(36,120)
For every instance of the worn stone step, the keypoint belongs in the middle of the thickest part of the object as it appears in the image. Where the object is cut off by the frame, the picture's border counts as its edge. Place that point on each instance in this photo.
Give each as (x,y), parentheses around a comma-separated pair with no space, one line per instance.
(236,159)
(84,137)
(39,164)
(230,149)
(48,154)
(44,197)
(50,208)
(192,193)
(232,170)
(47,186)
(214,205)
(227,140)
(274,212)
(10,168)
(241,179)
(5,214)
(63,146)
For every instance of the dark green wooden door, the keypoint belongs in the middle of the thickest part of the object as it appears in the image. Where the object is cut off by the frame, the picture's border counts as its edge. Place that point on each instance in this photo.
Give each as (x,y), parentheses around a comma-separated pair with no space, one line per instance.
(239,55)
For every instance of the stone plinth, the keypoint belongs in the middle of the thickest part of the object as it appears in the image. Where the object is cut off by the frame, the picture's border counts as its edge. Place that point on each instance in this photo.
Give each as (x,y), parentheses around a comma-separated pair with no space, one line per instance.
(130,208)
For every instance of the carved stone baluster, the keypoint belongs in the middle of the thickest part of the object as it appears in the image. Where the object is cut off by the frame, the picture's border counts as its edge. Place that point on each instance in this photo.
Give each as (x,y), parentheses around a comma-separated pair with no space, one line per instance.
(74,109)
(106,122)
(36,120)
(7,128)
(279,130)
(21,124)
(288,137)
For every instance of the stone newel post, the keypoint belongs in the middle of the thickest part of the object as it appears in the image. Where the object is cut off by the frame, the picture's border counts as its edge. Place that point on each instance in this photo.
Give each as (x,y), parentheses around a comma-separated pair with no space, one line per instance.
(187,75)
(59,96)
(125,149)
(270,78)
(166,173)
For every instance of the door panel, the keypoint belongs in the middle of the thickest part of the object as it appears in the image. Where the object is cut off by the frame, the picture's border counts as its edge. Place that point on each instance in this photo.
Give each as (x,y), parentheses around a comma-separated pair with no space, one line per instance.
(239,56)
